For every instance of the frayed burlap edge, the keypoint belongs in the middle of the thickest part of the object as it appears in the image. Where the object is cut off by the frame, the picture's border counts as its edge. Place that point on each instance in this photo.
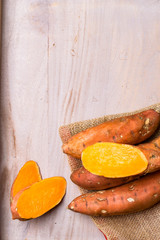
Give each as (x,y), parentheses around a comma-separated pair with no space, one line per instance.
(138,226)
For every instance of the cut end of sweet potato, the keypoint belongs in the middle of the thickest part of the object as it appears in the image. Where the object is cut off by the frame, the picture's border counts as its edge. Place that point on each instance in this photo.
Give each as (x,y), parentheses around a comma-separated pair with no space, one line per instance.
(114,160)
(27,175)
(39,198)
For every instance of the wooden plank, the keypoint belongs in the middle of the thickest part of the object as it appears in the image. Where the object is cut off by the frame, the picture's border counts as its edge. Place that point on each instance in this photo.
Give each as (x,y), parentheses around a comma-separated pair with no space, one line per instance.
(65,61)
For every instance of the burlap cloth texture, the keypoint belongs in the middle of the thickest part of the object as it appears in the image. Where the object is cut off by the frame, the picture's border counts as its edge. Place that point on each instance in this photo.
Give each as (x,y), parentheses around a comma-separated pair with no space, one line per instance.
(144,225)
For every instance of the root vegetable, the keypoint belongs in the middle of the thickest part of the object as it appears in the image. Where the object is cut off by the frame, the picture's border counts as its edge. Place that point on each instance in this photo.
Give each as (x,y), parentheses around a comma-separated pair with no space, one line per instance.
(129,129)
(129,198)
(114,160)
(83,178)
(38,199)
(27,175)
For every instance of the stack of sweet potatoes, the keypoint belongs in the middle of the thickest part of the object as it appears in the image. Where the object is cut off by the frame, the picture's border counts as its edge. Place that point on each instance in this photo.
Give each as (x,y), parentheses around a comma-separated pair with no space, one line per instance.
(115,196)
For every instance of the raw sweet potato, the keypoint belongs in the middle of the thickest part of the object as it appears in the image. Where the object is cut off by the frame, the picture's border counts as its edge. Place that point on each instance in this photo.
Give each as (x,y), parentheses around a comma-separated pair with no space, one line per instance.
(87,180)
(27,175)
(38,199)
(151,150)
(130,130)
(129,198)
(90,181)
(114,160)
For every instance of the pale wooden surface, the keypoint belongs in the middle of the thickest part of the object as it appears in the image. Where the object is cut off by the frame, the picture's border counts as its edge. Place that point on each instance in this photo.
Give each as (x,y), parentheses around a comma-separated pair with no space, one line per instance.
(65,61)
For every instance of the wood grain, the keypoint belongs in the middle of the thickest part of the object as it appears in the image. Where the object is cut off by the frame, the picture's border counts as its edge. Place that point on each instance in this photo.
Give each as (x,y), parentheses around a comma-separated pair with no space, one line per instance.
(65,61)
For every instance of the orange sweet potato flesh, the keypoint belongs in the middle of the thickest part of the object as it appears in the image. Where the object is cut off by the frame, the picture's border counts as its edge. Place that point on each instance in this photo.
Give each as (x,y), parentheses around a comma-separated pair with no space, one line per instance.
(27,175)
(129,130)
(38,199)
(114,160)
(87,180)
(129,198)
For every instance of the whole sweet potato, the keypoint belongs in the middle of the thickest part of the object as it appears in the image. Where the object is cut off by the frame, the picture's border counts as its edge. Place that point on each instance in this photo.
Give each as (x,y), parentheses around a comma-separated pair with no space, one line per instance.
(83,178)
(130,130)
(87,180)
(129,198)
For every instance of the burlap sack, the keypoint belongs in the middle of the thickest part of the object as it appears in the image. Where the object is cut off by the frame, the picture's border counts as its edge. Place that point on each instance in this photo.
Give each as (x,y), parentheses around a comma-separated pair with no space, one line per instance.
(144,225)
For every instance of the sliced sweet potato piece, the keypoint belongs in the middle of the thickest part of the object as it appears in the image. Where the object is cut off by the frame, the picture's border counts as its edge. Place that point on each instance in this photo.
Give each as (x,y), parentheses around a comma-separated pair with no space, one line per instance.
(27,175)
(39,198)
(132,129)
(114,160)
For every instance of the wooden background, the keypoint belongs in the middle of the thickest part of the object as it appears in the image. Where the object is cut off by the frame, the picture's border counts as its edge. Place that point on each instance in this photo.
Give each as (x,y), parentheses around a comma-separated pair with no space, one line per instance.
(66,61)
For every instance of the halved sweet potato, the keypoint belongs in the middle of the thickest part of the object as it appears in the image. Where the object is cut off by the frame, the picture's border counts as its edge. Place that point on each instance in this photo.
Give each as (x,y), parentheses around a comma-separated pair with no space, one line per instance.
(114,160)
(27,175)
(38,199)
(83,178)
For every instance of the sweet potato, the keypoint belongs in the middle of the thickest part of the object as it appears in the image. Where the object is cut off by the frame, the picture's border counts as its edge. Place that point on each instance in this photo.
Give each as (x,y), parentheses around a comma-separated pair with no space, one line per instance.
(130,130)
(83,178)
(38,199)
(129,198)
(152,152)
(114,160)
(87,180)
(27,175)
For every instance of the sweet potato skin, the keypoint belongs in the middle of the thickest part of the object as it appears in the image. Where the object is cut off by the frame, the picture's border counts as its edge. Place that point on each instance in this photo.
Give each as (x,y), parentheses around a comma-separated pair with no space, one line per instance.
(14,211)
(152,152)
(129,198)
(83,178)
(130,130)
